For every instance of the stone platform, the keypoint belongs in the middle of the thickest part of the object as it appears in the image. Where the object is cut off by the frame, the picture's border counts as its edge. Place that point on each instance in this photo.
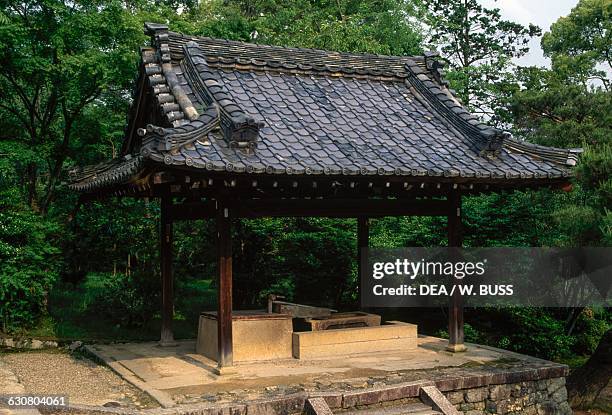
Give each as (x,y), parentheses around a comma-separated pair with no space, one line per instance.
(481,379)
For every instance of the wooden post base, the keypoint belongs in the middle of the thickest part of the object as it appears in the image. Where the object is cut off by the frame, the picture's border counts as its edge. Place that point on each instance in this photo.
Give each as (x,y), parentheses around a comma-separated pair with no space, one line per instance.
(167,343)
(456,348)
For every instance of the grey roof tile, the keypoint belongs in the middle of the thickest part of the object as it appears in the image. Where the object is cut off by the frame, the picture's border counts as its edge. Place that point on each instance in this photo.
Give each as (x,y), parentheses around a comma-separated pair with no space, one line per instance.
(407,124)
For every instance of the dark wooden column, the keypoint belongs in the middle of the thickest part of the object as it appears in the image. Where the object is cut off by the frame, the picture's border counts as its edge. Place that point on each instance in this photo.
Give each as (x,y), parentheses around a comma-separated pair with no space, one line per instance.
(455,309)
(363,241)
(224,311)
(165,256)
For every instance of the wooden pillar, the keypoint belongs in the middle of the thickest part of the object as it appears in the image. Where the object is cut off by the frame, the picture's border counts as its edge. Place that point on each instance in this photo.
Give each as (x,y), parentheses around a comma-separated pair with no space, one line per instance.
(455,309)
(363,241)
(224,311)
(165,256)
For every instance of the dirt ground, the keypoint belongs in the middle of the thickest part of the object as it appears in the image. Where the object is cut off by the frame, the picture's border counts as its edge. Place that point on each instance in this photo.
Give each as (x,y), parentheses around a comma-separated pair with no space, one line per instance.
(603,404)
(82,380)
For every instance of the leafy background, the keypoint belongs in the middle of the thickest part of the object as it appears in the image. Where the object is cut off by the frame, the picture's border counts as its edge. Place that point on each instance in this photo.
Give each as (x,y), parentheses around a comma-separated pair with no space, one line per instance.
(68,68)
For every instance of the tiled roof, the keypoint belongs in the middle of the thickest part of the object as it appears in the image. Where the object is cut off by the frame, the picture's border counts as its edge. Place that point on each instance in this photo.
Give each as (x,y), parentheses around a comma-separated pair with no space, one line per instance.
(244,108)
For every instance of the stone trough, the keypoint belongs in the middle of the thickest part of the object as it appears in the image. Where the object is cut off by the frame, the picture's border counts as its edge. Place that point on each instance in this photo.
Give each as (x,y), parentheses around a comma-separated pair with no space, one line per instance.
(259,335)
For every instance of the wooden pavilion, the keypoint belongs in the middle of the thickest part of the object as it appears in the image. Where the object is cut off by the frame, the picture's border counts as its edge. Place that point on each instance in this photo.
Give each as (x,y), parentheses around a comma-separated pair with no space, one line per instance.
(223,129)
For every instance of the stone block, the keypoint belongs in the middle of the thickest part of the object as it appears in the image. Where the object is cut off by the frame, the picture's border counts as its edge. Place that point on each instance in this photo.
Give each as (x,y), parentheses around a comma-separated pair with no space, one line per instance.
(382,394)
(455,397)
(317,406)
(430,395)
(476,395)
(255,337)
(555,384)
(326,343)
(560,395)
(499,392)
(479,406)
(333,399)
(343,320)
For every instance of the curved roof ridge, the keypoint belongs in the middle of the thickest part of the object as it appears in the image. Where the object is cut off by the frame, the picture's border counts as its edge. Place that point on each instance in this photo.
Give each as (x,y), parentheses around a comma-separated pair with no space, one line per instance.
(114,170)
(230,52)
(174,102)
(239,128)
(157,138)
(488,140)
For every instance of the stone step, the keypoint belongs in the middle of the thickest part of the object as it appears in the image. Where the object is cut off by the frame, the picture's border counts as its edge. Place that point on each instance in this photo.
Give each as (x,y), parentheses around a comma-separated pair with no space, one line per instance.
(412,409)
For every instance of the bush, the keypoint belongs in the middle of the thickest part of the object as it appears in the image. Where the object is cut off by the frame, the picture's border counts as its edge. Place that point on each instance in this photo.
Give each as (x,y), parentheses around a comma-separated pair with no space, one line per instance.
(29,265)
(130,300)
(535,332)
(589,330)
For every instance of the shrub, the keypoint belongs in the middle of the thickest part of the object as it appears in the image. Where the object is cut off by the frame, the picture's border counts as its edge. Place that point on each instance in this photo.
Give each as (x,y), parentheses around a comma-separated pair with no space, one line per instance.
(535,332)
(130,300)
(589,329)
(29,265)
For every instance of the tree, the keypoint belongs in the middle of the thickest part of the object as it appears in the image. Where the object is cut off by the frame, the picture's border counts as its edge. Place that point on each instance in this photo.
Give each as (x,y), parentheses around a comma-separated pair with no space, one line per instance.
(585,383)
(582,42)
(58,59)
(479,47)
(560,107)
(569,106)
(342,25)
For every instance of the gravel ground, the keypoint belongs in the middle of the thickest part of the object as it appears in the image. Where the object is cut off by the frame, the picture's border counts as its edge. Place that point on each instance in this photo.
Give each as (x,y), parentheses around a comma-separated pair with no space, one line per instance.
(82,380)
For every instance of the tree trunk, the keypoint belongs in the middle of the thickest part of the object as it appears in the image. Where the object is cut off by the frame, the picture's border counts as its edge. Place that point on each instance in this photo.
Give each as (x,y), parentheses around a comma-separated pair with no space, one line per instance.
(585,383)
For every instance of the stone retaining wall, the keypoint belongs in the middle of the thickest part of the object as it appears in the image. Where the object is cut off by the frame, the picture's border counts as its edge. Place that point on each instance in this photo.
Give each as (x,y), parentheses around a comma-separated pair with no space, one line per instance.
(540,397)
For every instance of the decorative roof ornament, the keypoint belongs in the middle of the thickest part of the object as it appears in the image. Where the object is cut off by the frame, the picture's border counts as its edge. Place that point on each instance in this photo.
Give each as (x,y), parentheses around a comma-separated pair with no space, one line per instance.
(205,105)
(239,129)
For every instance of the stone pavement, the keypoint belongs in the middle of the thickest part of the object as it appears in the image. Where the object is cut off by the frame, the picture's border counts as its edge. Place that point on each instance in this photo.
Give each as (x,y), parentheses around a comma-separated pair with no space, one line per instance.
(179,375)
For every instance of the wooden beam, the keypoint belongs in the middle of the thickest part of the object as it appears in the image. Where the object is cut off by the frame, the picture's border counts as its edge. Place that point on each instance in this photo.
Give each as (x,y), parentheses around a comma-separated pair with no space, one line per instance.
(342,208)
(363,241)
(455,309)
(165,255)
(224,311)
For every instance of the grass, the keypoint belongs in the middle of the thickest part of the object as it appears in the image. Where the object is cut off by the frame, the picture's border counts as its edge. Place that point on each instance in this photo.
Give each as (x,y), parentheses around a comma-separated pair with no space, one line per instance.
(72,315)
(574,361)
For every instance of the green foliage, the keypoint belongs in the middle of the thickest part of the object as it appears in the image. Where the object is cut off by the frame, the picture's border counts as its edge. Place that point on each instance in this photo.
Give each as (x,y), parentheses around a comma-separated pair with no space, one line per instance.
(590,327)
(344,25)
(319,254)
(29,257)
(563,107)
(536,332)
(129,300)
(29,266)
(578,42)
(68,67)
(479,46)
(471,334)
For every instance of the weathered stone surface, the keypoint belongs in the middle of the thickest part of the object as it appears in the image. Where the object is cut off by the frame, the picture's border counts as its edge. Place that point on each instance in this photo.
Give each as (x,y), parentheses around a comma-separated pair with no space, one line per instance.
(314,344)
(254,338)
(289,404)
(333,399)
(317,406)
(431,395)
(499,392)
(555,384)
(476,395)
(560,395)
(376,395)
(455,397)
(36,344)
